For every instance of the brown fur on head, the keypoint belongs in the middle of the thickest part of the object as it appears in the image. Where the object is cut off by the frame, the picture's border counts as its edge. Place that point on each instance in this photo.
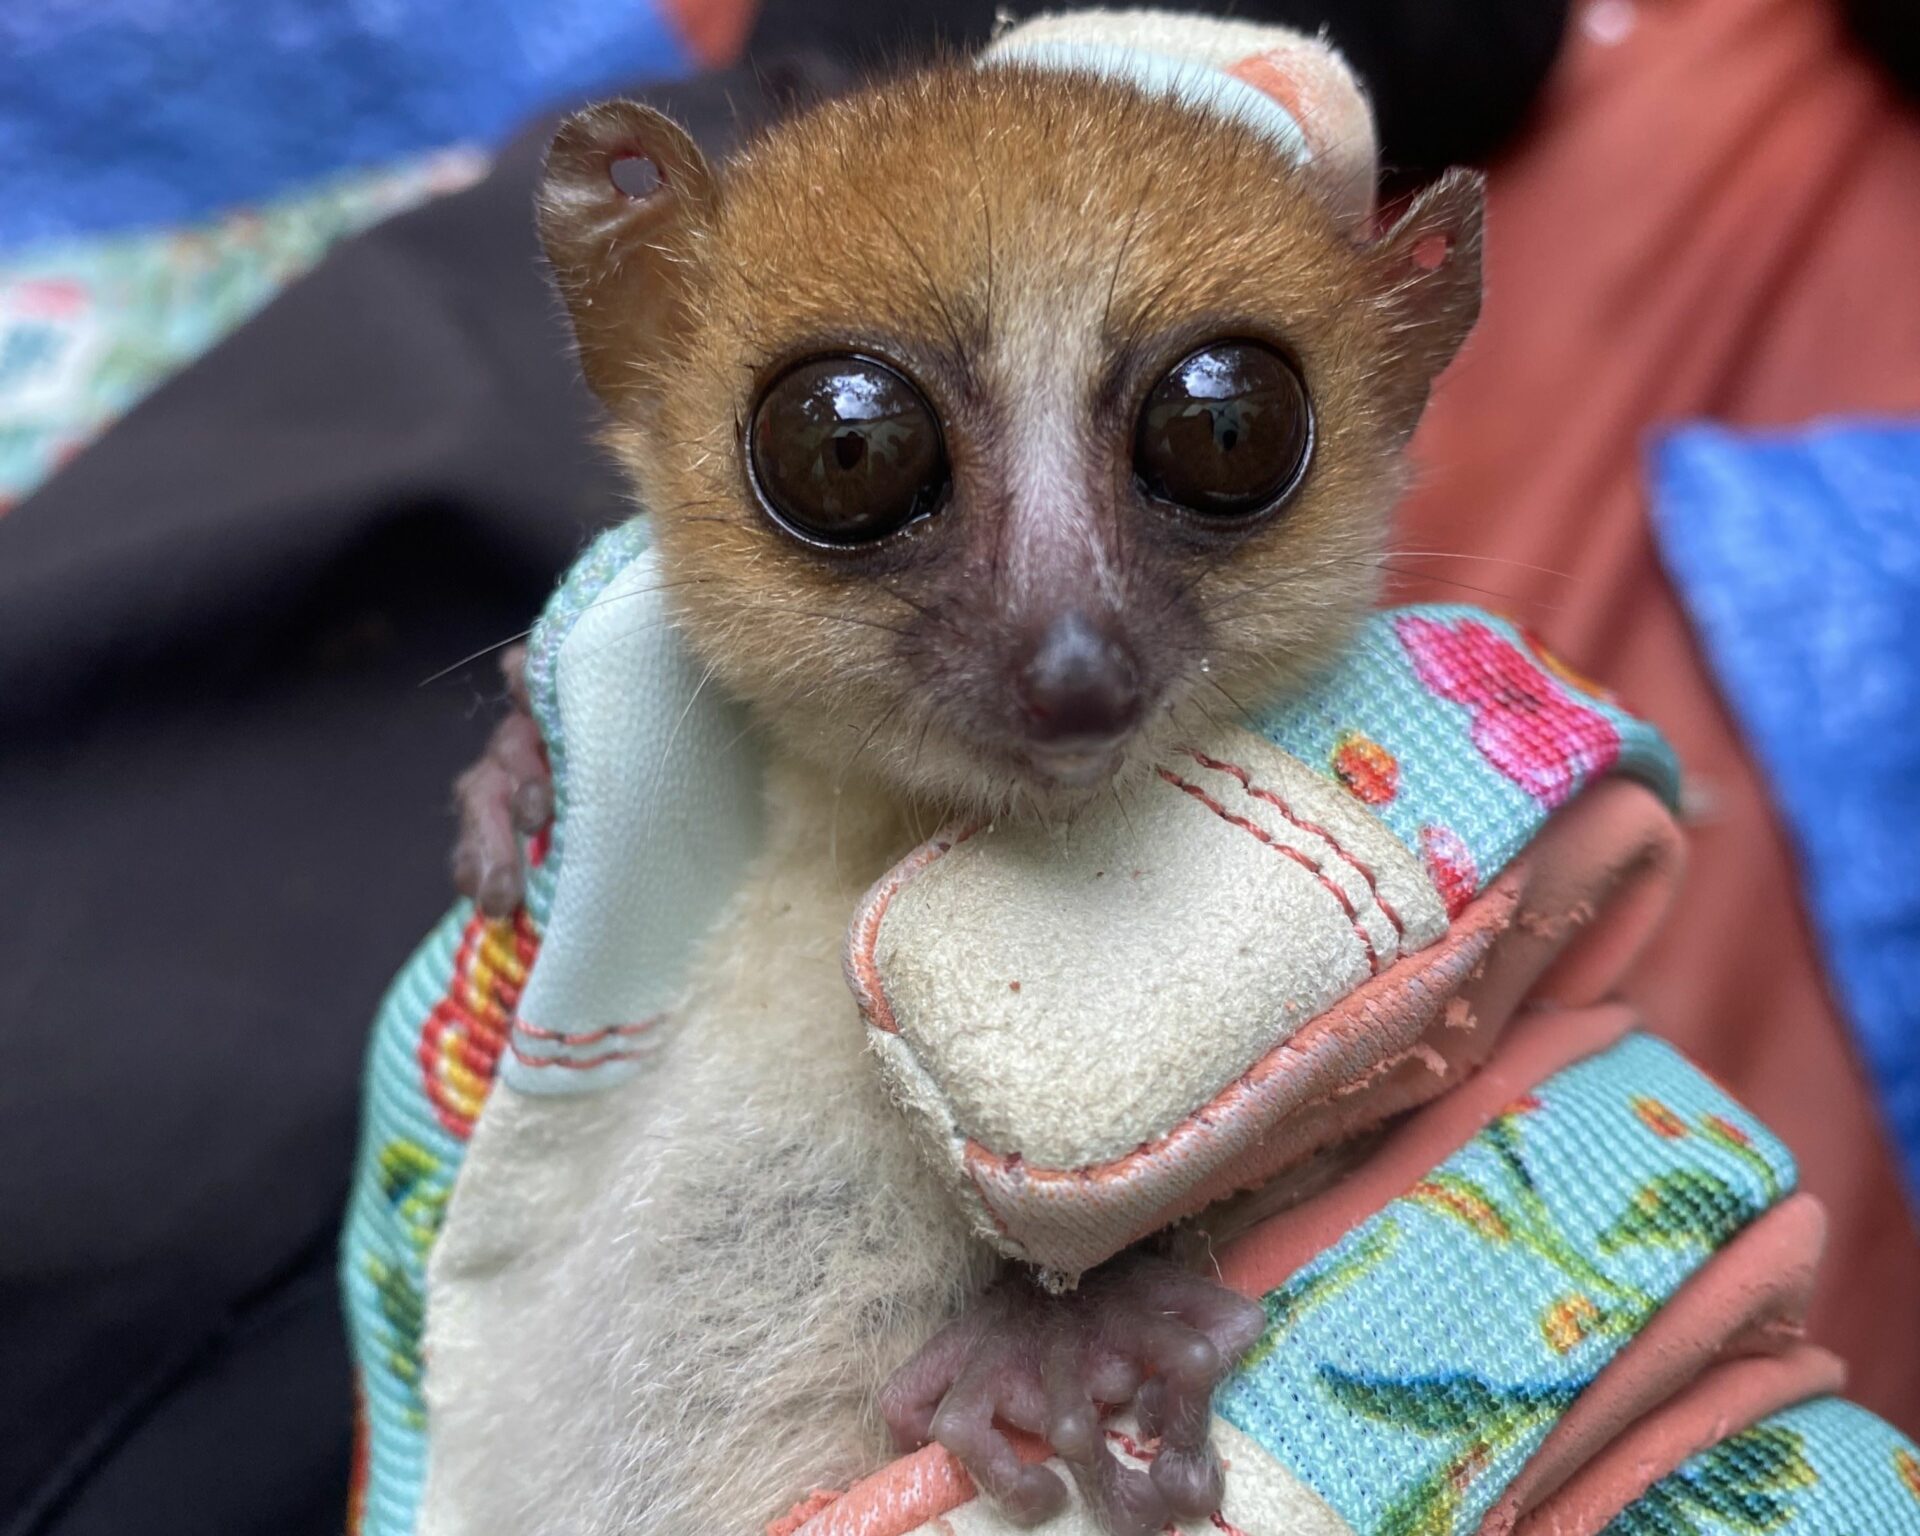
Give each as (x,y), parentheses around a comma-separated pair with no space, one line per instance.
(1033,249)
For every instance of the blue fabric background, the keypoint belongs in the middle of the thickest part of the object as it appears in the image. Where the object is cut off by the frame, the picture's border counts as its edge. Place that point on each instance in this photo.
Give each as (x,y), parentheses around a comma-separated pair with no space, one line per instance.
(1798,557)
(119,113)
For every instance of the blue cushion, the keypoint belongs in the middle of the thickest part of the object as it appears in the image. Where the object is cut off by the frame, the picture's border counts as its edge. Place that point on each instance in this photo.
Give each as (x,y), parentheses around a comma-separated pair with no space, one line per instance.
(1798,556)
(118,113)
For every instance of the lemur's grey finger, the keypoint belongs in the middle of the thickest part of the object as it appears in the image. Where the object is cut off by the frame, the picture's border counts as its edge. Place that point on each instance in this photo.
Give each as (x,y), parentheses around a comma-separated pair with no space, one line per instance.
(532,806)
(1182,1356)
(914,1391)
(1124,1498)
(1113,1377)
(1072,1421)
(1022,1399)
(513,672)
(486,857)
(1191,1481)
(516,748)
(1232,1323)
(1150,1407)
(1187,1368)
(531,802)
(1025,1494)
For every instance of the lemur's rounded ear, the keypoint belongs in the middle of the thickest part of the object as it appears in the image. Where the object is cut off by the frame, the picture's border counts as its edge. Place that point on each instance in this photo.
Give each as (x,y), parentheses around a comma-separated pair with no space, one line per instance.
(1426,276)
(622,183)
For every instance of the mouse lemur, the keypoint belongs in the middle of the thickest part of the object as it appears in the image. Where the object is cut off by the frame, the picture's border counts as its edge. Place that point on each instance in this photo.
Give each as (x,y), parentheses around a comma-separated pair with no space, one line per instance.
(998,426)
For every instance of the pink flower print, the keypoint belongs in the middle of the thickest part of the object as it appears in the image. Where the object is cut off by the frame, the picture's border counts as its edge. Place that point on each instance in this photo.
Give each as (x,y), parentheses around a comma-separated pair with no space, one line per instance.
(1523,723)
(1450,866)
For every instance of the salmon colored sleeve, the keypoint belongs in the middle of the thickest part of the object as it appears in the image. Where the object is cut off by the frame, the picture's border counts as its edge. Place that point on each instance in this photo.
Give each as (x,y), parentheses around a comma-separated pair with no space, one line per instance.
(1734,1396)
(1715,216)
(715,31)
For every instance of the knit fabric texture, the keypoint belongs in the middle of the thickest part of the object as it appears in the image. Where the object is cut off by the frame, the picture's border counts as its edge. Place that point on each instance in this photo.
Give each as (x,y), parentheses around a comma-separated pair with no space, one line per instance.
(436,1048)
(1411,1371)
(1824,1468)
(1463,735)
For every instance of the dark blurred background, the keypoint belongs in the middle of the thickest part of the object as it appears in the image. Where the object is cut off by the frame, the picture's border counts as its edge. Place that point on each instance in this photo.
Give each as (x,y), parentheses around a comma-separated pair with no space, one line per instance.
(289,431)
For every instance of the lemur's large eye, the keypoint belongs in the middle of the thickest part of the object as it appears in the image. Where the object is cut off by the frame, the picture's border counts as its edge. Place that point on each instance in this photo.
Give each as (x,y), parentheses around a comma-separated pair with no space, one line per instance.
(845,451)
(1227,433)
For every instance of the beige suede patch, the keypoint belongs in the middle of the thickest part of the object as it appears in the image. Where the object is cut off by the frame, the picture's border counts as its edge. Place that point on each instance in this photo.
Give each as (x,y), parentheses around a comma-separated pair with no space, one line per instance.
(1065,995)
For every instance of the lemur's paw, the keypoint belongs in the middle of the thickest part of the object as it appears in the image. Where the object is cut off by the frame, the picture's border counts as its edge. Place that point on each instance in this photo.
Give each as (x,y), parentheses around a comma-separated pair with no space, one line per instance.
(1138,1332)
(506,796)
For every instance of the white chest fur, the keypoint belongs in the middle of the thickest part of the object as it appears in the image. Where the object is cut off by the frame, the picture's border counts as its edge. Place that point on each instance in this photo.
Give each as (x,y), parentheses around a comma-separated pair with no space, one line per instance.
(742,1240)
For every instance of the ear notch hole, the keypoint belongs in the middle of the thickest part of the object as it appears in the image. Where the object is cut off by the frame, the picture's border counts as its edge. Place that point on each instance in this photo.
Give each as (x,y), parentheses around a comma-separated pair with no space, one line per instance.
(1430,251)
(635,174)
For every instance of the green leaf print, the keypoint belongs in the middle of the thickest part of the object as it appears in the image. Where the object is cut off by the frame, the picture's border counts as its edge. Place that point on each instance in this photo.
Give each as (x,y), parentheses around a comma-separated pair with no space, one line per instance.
(1316,1284)
(1450,1404)
(1517,1213)
(410,1179)
(1429,1508)
(404,1310)
(1685,1208)
(403,1164)
(1503,1137)
(1746,1484)
(1471,1431)
(401,1304)
(1480,1418)
(1738,1140)
(1655,1513)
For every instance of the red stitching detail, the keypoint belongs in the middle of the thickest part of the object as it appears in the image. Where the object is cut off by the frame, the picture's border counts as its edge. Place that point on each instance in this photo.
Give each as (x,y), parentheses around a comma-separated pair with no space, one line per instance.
(1134,1448)
(590,1037)
(571,1063)
(1263,835)
(1260,792)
